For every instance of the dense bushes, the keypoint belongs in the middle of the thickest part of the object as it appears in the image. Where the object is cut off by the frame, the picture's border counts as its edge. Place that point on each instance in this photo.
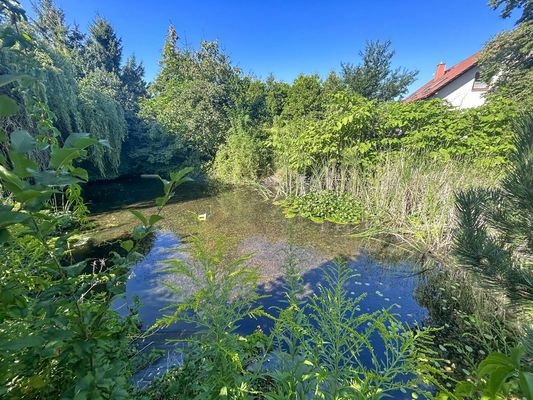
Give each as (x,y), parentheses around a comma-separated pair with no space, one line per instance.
(355,131)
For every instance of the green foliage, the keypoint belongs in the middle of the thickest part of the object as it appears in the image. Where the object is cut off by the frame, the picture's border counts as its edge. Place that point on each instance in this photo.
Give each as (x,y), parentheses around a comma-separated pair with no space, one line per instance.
(320,345)
(498,376)
(340,208)
(304,98)
(375,78)
(192,96)
(58,95)
(506,62)
(509,6)
(244,158)
(494,236)
(59,336)
(104,47)
(493,240)
(356,131)
(315,348)
(216,359)
(103,115)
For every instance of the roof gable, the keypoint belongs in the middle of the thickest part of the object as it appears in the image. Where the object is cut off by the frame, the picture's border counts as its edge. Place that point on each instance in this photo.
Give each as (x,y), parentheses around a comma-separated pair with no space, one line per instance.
(434,85)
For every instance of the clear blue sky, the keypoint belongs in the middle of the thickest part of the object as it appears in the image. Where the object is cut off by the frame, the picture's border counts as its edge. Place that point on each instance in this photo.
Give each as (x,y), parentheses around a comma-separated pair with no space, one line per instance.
(288,37)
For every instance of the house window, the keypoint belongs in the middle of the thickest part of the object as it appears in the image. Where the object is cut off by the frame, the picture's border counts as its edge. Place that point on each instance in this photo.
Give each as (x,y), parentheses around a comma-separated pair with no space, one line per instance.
(479,85)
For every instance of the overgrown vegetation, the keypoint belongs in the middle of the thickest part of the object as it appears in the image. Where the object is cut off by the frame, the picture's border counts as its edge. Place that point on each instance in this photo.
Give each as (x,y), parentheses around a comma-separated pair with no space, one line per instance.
(454,186)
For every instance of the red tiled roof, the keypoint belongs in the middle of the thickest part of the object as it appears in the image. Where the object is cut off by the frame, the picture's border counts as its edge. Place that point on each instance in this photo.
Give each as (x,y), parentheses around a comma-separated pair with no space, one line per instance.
(434,85)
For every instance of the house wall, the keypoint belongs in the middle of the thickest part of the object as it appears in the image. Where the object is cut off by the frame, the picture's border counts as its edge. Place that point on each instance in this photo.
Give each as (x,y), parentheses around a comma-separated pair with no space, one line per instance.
(459,92)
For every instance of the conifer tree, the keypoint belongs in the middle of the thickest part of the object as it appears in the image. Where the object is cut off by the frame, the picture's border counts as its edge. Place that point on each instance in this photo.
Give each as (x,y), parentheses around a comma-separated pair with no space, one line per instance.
(494,238)
(104,47)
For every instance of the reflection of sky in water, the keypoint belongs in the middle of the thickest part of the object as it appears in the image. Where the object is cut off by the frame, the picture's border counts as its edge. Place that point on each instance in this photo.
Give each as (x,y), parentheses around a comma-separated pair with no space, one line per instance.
(385,287)
(257,227)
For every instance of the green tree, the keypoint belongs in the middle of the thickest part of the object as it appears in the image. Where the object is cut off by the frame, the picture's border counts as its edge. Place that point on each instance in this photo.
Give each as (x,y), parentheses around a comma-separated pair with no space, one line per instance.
(276,96)
(192,96)
(304,97)
(508,6)
(50,22)
(375,77)
(506,62)
(104,47)
(134,86)
(494,238)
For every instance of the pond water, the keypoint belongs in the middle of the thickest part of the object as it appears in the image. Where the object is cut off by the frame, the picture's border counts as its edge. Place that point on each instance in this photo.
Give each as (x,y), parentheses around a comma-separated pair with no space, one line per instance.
(255,226)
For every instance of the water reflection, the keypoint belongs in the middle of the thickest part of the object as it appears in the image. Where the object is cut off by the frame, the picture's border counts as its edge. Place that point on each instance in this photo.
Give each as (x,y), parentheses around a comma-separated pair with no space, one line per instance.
(254,226)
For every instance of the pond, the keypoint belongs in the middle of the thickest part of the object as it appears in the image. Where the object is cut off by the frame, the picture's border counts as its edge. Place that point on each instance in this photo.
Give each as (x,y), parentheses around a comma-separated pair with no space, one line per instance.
(253,225)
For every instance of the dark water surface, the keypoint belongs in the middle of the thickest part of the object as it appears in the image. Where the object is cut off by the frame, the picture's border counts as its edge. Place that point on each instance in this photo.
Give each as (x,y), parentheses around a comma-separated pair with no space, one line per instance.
(255,226)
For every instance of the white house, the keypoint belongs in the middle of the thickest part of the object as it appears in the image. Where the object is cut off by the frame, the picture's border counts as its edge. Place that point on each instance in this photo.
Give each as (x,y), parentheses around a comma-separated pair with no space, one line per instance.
(460,85)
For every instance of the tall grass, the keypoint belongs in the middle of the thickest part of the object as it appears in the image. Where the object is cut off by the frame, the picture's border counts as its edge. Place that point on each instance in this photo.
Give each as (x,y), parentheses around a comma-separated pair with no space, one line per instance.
(408,196)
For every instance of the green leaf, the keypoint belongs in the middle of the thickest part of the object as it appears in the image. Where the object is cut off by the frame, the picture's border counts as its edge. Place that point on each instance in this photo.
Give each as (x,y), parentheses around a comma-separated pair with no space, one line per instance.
(154,219)
(11,181)
(20,344)
(79,141)
(140,217)
(50,178)
(22,166)
(525,380)
(127,245)
(62,156)
(4,236)
(498,378)
(74,269)
(80,173)
(8,217)
(8,106)
(22,141)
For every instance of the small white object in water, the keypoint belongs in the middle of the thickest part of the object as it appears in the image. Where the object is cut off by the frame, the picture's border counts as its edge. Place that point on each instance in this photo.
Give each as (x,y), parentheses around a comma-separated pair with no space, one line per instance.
(367,284)
(379,293)
(202,217)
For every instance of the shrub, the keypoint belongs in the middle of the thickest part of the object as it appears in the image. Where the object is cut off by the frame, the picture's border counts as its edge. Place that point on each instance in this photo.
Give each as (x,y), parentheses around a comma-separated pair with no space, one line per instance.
(238,160)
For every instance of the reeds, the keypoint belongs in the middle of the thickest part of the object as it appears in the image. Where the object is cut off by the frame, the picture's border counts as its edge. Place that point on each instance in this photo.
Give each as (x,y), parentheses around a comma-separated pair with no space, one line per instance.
(410,197)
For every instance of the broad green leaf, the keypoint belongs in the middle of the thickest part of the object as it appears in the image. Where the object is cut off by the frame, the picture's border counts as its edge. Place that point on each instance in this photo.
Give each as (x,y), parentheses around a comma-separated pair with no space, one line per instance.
(154,219)
(79,141)
(140,217)
(23,343)
(74,269)
(22,166)
(8,106)
(127,245)
(63,156)
(22,141)
(50,178)
(525,380)
(11,181)
(80,173)
(33,194)
(8,217)
(498,378)
(4,236)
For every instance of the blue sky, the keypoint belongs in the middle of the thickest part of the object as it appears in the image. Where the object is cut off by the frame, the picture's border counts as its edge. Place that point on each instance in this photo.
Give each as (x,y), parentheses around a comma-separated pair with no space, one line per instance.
(291,37)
